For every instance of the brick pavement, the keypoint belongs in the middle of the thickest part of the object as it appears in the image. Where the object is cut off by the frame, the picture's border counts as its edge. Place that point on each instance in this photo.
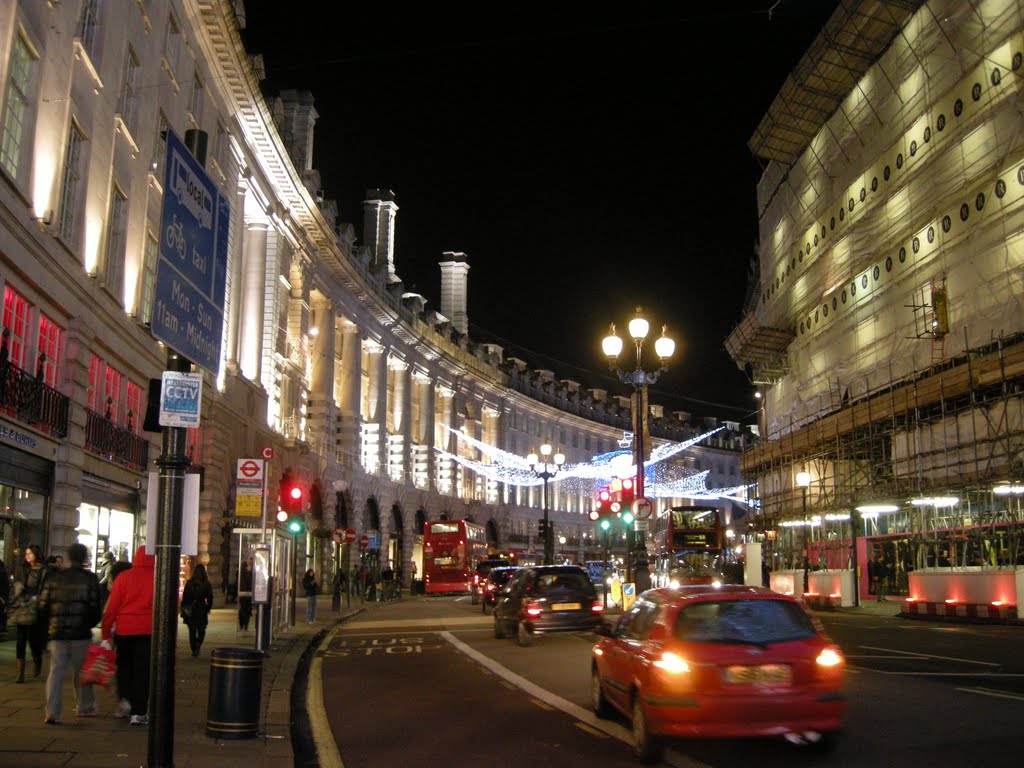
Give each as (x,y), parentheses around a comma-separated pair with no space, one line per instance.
(108,742)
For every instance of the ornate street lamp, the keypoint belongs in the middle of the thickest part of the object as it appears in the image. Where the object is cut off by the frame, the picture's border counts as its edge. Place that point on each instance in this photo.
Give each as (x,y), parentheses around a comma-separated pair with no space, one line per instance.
(546,467)
(664,347)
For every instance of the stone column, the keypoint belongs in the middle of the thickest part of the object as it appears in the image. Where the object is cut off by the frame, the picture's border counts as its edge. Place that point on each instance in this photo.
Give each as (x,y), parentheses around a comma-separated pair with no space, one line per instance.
(250,347)
(350,390)
(321,408)
(236,290)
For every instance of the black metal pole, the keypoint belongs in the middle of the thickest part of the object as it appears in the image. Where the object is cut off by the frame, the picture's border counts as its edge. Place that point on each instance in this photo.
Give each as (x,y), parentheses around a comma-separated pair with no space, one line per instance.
(172,463)
(854,525)
(547,521)
(807,546)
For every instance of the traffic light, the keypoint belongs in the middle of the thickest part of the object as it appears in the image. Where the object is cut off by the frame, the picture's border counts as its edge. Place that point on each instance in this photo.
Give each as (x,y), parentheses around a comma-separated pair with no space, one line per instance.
(542,530)
(293,497)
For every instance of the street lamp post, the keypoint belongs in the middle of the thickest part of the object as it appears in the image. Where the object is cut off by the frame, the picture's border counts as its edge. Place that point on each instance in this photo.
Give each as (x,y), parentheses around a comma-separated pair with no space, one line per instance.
(803,479)
(341,556)
(639,378)
(548,468)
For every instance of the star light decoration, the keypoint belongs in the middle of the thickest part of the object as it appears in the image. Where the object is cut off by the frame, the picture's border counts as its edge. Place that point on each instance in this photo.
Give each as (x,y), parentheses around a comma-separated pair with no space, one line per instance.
(661,480)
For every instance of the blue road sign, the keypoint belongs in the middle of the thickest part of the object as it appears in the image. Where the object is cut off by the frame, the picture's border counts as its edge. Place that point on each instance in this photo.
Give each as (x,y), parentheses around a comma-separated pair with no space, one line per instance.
(188,306)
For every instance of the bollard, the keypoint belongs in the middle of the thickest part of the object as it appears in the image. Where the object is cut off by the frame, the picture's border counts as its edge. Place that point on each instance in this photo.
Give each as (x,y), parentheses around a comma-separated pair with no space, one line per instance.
(236,688)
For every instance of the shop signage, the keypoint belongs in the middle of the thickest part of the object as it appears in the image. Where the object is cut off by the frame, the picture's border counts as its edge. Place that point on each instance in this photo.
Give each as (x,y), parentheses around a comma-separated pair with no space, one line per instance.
(17,437)
(249,488)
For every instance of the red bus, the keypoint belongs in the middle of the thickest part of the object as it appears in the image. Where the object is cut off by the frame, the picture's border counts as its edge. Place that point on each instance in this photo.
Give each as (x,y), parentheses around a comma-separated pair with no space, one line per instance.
(451,550)
(689,546)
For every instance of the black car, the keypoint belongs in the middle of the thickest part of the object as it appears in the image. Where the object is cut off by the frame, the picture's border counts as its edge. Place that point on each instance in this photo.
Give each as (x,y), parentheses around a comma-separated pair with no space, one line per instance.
(482,569)
(496,579)
(547,598)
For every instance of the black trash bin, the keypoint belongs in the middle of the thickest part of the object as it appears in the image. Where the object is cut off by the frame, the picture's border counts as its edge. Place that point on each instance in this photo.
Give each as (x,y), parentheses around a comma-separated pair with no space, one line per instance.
(236,690)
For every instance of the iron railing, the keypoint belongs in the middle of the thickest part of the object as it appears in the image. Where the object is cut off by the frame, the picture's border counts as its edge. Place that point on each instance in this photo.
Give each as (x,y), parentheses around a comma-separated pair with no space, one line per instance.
(114,442)
(28,399)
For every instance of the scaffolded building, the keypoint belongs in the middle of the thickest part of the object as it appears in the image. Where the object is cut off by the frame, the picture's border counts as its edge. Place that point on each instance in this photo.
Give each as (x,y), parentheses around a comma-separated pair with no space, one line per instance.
(886,337)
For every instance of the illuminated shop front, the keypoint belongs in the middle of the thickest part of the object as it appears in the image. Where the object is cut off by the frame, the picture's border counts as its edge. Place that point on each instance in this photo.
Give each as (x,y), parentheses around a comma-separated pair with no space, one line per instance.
(108,519)
(25,482)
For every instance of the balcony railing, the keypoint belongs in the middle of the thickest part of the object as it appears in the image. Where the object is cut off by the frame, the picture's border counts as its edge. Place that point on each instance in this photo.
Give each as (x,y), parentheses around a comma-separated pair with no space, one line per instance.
(114,442)
(30,400)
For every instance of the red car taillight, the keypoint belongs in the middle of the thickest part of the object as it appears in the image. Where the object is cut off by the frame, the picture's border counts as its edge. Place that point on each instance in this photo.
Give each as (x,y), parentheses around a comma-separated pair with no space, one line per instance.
(489,587)
(532,608)
(476,579)
(597,607)
(830,664)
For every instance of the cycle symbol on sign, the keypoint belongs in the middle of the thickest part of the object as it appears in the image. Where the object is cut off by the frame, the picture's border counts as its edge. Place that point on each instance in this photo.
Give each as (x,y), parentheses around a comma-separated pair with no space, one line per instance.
(176,237)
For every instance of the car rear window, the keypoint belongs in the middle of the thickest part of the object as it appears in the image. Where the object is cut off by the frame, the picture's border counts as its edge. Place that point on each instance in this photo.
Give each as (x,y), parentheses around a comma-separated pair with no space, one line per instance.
(743,621)
(501,576)
(563,581)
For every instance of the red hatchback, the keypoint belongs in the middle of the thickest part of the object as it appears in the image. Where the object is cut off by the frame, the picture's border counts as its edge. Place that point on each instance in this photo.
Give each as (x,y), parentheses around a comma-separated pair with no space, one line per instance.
(719,662)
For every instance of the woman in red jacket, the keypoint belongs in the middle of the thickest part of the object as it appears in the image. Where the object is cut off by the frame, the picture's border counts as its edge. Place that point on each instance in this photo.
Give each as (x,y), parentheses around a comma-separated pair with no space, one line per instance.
(128,617)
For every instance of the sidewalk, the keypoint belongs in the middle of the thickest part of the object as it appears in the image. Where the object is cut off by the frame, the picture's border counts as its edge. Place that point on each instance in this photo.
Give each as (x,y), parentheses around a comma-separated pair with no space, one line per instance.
(108,742)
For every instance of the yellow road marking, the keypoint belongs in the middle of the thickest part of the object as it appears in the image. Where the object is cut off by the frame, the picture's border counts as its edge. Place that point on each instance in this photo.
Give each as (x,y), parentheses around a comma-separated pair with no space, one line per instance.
(543,705)
(591,731)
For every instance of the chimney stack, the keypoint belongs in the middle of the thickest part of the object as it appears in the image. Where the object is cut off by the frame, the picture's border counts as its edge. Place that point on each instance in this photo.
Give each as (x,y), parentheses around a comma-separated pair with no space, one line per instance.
(379,211)
(454,279)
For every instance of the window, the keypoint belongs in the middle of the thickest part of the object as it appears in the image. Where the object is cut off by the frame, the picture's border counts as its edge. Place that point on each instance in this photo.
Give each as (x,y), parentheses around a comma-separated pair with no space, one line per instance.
(133,403)
(16,110)
(114,262)
(220,146)
(196,105)
(111,393)
(172,44)
(127,105)
(16,324)
(87,26)
(49,345)
(148,286)
(161,147)
(70,184)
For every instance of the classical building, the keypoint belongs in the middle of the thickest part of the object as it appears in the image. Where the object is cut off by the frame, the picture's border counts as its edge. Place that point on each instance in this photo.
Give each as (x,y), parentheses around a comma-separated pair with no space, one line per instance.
(379,405)
(886,335)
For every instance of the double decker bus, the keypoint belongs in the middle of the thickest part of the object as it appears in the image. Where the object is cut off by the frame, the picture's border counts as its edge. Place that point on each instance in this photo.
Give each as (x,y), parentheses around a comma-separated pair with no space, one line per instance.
(451,550)
(689,546)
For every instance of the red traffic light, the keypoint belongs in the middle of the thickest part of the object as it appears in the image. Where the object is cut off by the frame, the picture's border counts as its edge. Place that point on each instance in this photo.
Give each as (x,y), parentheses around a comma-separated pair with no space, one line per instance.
(296,493)
(627,484)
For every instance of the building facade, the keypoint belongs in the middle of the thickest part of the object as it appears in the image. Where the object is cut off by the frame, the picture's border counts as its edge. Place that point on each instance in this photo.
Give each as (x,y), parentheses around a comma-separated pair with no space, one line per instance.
(381,406)
(886,336)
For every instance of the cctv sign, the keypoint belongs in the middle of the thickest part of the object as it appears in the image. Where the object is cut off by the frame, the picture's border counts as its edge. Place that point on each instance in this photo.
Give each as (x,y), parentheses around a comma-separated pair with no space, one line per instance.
(180,395)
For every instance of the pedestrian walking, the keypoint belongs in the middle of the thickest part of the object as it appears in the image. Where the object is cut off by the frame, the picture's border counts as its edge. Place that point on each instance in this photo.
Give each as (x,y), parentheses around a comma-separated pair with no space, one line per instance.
(245,594)
(879,577)
(128,619)
(24,613)
(196,604)
(104,571)
(70,606)
(311,589)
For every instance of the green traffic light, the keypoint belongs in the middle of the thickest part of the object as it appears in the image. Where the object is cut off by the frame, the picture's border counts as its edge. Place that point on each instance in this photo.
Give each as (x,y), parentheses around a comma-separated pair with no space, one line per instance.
(295,526)
(627,517)
(606,524)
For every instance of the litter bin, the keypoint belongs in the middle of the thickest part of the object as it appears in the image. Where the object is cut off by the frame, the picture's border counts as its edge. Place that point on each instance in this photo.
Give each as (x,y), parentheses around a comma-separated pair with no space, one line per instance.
(236,690)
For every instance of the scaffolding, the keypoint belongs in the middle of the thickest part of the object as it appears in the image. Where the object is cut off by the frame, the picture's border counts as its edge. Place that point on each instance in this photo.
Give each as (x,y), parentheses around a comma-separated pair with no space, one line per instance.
(952,431)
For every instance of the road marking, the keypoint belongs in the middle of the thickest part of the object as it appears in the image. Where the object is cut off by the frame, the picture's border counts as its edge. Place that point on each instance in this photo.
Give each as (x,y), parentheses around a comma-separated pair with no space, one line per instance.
(671,756)
(454,622)
(327,753)
(993,693)
(931,656)
(542,705)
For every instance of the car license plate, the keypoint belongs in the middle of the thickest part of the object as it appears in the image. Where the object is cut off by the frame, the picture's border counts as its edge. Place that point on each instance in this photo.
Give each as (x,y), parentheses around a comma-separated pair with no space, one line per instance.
(765,674)
(565,606)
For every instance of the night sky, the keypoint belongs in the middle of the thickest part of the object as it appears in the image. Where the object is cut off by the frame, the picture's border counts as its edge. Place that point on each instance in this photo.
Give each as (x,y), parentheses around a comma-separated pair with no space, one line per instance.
(587,161)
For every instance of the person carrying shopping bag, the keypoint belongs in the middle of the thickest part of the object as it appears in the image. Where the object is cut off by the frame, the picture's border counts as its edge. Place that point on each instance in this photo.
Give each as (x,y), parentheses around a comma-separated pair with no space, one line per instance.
(196,604)
(128,618)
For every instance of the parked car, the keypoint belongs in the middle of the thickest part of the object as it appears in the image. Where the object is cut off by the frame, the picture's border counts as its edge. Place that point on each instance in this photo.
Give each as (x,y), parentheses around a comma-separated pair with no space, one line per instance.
(719,662)
(496,579)
(480,573)
(547,598)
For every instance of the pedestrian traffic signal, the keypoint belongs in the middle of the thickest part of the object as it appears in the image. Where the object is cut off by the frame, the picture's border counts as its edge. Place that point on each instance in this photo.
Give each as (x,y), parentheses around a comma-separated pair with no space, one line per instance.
(542,530)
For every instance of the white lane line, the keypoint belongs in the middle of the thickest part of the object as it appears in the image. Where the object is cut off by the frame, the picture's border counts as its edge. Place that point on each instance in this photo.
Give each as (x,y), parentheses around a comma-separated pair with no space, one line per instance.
(327,754)
(992,693)
(931,656)
(585,716)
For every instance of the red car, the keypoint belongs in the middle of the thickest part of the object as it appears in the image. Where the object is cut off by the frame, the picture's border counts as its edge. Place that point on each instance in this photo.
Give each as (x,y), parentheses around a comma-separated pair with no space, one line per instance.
(719,662)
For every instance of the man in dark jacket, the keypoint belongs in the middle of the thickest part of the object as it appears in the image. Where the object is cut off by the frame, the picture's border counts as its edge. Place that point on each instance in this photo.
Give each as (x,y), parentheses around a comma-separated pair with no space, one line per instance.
(70,604)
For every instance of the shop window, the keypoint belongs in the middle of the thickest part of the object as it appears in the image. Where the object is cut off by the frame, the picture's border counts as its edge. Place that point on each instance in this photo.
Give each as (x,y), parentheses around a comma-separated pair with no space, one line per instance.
(92,394)
(111,393)
(133,405)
